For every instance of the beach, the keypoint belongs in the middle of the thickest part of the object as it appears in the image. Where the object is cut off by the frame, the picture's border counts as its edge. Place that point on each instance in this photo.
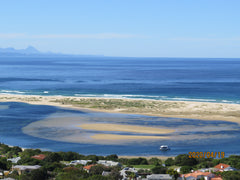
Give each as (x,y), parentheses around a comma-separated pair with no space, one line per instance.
(175,109)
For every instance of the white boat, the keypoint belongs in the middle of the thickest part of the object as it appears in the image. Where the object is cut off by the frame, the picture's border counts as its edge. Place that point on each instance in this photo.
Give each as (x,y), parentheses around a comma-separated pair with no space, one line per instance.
(164,148)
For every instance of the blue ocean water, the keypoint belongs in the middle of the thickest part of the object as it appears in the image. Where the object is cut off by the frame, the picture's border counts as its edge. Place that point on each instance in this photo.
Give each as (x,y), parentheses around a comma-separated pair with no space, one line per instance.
(18,115)
(197,79)
(193,79)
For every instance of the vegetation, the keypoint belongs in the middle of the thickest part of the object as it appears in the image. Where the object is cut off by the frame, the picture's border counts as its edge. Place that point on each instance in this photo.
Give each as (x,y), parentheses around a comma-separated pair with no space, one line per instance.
(54,165)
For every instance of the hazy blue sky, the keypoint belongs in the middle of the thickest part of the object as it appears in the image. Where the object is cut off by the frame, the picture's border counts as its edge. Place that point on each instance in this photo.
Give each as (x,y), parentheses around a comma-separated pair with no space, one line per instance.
(154,28)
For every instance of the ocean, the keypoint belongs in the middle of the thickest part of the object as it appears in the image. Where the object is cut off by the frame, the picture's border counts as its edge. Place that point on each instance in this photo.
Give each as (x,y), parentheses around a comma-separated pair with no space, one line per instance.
(188,79)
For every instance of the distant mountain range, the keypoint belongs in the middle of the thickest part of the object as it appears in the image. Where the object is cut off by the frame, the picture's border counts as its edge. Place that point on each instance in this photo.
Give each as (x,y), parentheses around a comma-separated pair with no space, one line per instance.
(27,51)
(32,51)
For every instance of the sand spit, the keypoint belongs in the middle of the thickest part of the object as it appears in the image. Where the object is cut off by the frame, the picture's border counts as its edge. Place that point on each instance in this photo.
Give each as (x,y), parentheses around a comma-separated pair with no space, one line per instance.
(177,109)
(125,137)
(124,128)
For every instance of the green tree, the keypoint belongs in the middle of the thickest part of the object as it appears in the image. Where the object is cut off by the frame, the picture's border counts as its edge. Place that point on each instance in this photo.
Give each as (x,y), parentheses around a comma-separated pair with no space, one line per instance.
(137,161)
(112,157)
(72,174)
(97,170)
(154,161)
(185,169)
(15,150)
(184,160)
(38,174)
(4,164)
(169,162)
(30,152)
(231,175)
(52,157)
(159,170)
(173,173)
(97,177)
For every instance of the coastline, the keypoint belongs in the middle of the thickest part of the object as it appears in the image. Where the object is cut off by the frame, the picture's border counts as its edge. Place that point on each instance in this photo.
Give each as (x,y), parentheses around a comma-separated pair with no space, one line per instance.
(160,108)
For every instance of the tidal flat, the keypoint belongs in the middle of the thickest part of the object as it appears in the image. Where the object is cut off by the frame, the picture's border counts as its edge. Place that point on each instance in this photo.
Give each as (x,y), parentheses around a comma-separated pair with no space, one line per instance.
(118,128)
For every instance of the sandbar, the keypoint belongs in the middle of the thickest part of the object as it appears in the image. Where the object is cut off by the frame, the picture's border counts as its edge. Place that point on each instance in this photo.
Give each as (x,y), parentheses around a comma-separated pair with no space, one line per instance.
(125,128)
(176,109)
(125,137)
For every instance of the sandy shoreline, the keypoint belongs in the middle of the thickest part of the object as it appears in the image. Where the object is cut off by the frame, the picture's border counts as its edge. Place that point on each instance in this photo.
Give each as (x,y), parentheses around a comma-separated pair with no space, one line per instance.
(175,109)
(124,128)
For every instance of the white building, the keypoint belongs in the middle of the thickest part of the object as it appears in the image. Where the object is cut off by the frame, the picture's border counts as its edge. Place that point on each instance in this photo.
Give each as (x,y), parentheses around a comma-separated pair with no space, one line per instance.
(14,160)
(76,162)
(159,177)
(108,163)
(22,168)
(124,174)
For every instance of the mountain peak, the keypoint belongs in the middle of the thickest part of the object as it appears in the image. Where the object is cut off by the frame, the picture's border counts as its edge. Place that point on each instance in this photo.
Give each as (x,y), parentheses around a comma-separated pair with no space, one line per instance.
(28,50)
(31,50)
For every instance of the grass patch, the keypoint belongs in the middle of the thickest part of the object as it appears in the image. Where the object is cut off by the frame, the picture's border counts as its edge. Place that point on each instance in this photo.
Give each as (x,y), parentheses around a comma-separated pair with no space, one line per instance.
(144,166)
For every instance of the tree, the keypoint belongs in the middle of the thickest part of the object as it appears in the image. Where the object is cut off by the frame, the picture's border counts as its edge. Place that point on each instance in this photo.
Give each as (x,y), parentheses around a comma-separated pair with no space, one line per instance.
(231,175)
(15,150)
(73,174)
(27,153)
(173,173)
(185,169)
(37,174)
(131,175)
(115,174)
(184,160)
(94,158)
(97,177)
(169,162)
(159,170)
(53,157)
(137,161)
(4,164)
(154,161)
(69,156)
(112,157)
(97,170)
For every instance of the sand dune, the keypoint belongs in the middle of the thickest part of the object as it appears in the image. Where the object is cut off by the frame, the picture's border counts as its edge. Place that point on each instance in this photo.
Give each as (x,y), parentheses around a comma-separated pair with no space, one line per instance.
(178,109)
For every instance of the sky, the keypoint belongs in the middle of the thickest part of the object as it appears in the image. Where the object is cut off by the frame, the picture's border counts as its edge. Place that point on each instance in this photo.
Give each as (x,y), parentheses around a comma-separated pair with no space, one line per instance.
(129,28)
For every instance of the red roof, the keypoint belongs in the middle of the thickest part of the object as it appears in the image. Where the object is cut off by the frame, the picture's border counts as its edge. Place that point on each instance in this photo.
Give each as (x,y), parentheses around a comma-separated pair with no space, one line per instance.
(70,169)
(221,166)
(196,174)
(216,178)
(39,157)
(89,166)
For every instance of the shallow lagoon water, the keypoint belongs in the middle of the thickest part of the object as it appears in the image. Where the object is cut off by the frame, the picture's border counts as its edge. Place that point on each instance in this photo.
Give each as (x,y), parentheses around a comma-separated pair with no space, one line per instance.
(193,135)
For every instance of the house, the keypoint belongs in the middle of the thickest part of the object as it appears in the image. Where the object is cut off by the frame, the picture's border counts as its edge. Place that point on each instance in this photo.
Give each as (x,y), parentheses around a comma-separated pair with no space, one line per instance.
(221,167)
(39,157)
(124,171)
(159,177)
(14,160)
(208,170)
(87,168)
(230,169)
(217,178)
(198,175)
(76,162)
(21,168)
(108,163)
